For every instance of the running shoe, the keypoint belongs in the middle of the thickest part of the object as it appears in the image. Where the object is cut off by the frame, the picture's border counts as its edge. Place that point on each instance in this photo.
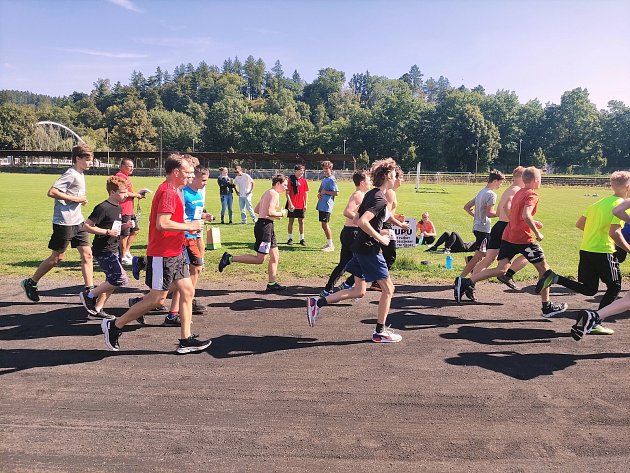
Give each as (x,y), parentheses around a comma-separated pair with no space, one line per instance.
(554,309)
(312,311)
(30,289)
(197,308)
(138,263)
(328,248)
(88,302)
(302,242)
(508,281)
(344,286)
(547,279)
(599,329)
(226,260)
(111,333)
(101,315)
(375,287)
(290,241)
(172,321)
(192,344)
(470,293)
(587,319)
(386,336)
(461,286)
(275,287)
(325,293)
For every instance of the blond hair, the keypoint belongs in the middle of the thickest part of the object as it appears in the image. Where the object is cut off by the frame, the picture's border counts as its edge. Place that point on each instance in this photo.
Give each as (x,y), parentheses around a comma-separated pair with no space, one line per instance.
(530,174)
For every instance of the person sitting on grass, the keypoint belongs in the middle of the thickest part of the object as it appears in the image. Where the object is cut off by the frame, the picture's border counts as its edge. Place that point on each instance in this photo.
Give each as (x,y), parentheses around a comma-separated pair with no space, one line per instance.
(425,230)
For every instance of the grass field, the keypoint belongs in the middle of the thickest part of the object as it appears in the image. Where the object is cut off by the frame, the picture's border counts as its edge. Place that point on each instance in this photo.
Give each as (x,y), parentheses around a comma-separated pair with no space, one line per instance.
(26,212)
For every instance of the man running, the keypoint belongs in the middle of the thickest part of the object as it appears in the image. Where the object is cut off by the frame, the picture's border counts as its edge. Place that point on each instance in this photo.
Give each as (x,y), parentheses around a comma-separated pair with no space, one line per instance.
(297,202)
(129,232)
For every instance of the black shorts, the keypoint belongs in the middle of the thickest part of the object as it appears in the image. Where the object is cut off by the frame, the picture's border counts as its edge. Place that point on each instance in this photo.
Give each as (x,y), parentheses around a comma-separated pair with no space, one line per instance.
(324,216)
(192,252)
(297,213)
(163,270)
(481,241)
(128,231)
(265,236)
(496,234)
(64,234)
(531,251)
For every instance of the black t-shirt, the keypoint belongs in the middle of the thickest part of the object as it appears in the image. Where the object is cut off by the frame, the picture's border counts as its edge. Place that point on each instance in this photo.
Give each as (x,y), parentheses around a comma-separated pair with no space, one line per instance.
(225,185)
(376,203)
(103,216)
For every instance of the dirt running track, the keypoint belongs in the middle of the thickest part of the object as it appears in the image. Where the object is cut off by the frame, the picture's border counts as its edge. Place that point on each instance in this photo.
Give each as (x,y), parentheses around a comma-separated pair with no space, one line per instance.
(485,387)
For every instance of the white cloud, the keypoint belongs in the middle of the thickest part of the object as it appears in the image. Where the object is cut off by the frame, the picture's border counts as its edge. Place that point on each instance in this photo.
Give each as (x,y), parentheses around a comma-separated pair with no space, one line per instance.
(127,5)
(6,65)
(91,52)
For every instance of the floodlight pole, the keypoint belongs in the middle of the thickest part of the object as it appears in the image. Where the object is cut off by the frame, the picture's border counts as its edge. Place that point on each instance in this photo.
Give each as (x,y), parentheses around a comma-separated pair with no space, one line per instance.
(520,143)
(477,156)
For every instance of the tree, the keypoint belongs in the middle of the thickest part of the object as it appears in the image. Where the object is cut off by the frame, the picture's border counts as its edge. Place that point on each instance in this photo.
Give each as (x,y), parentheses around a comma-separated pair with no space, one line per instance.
(616,134)
(132,129)
(179,130)
(16,125)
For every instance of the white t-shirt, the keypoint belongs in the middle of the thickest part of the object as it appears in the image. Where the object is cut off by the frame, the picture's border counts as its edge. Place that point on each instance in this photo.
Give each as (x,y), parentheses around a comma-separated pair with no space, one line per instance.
(484,199)
(243,184)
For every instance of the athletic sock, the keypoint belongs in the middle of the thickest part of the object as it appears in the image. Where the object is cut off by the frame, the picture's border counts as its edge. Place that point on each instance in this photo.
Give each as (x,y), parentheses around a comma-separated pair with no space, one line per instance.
(380,328)
(321,302)
(509,273)
(301,236)
(290,236)
(329,242)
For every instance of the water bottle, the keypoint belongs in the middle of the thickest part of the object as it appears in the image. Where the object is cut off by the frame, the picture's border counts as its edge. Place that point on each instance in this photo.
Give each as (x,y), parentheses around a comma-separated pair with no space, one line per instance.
(449,262)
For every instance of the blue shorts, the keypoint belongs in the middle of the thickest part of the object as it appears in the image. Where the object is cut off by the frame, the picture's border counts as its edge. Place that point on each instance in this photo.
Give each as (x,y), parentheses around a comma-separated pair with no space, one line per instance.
(114,273)
(368,267)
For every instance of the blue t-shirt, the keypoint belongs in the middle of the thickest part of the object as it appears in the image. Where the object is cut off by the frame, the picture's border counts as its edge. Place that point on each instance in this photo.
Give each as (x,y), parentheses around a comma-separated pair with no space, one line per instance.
(326,202)
(193,208)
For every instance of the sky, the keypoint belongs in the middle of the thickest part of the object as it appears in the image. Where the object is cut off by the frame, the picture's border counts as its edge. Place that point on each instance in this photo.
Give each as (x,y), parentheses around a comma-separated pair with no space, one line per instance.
(538,49)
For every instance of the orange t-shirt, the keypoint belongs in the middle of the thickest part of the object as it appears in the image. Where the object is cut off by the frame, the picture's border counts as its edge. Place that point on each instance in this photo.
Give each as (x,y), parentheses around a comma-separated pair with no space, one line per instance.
(423,226)
(517,231)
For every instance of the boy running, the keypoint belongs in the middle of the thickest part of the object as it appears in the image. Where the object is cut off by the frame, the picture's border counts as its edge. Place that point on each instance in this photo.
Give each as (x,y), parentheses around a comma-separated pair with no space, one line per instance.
(602,231)
(129,232)
(367,263)
(105,222)
(70,194)
(297,202)
(519,237)
(166,266)
(349,232)
(266,244)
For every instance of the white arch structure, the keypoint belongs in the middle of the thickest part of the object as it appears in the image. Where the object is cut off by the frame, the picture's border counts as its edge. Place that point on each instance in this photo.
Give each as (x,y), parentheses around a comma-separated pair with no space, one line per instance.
(46,122)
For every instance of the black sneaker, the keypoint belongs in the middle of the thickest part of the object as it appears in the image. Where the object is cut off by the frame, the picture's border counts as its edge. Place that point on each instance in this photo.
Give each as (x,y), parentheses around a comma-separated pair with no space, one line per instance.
(192,344)
(141,320)
(172,321)
(290,241)
(547,279)
(30,289)
(587,319)
(226,260)
(275,287)
(101,315)
(197,308)
(302,242)
(111,333)
(461,286)
(470,293)
(554,309)
(508,281)
(134,300)
(88,302)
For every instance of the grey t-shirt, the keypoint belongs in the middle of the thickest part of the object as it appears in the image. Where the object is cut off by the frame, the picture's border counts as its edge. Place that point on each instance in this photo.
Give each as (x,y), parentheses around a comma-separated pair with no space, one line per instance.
(71,182)
(485,198)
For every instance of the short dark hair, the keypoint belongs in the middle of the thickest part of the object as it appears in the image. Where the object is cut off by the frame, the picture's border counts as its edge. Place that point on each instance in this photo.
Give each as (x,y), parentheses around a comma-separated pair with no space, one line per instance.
(199,170)
(298,167)
(174,161)
(359,176)
(495,176)
(278,179)
(81,151)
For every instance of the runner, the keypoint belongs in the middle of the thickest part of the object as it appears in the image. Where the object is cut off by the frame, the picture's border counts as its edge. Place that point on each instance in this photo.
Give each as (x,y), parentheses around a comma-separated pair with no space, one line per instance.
(105,222)
(128,233)
(349,232)
(70,194)
(367,263)
(602,231)
(297,202)
(166,266)
(519,237)
(326,194)
(267,210)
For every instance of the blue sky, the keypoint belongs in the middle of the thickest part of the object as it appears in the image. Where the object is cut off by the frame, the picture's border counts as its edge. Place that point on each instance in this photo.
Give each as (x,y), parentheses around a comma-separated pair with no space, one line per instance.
(539,49)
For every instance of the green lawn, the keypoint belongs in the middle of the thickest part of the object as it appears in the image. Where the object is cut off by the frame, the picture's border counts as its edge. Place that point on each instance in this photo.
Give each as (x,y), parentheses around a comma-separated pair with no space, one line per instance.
(26,212)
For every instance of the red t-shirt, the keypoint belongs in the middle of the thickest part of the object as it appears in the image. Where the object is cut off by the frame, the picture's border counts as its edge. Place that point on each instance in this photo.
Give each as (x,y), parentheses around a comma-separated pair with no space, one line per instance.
(423,226)
(166,200)
(126,206)
(298,196)
(517,231)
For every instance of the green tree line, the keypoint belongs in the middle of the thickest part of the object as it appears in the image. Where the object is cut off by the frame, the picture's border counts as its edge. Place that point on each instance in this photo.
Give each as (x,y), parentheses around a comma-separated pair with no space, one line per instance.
(244,107)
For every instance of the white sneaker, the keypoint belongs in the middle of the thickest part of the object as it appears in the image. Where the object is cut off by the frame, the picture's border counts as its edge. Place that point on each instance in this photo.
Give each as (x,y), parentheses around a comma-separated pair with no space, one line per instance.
(127,261)
(312,311)
(328,248)
(386,336)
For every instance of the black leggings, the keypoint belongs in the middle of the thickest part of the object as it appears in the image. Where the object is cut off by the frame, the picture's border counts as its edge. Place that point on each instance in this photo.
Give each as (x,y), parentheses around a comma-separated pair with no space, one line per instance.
(453,242)
(592,268)
(347,236)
